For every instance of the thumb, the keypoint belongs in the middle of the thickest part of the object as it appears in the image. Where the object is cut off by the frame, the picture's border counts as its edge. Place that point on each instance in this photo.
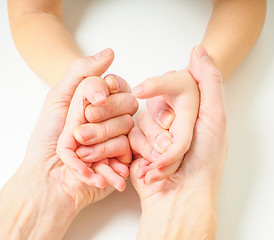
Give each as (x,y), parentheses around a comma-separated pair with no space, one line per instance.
(173,83)
(82,68)
(207,76)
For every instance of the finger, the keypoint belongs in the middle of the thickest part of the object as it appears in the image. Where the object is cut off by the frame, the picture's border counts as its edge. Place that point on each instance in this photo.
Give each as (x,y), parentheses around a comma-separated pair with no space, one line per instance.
(159,174)
(116,147)
(94,89)
(160,111)
(182,132)
(68,156)
(141,145)
(118,167)
(169,72)
(84,173)
(209,79)
(143,162)
(175,83)
(116,84)
(93,133)
(159,138)
(142,171)
(116,105)
(111,177)
(66,143)
(133,170)
(82,68)
(95,180)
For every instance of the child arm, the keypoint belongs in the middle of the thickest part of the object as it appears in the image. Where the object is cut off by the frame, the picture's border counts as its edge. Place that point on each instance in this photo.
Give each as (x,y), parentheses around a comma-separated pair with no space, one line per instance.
(233,29)
(40,24)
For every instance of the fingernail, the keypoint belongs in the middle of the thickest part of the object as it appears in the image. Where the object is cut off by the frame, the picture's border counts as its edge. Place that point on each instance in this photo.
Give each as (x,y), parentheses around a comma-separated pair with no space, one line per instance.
(163,142)
(137,91)
(82,152)
(97,114)
(112,82)
(103,54)
(99,97)
(165,117)
(82,134)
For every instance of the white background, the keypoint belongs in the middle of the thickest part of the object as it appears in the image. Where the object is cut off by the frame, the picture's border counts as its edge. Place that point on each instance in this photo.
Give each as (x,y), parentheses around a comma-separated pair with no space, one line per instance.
(150,38)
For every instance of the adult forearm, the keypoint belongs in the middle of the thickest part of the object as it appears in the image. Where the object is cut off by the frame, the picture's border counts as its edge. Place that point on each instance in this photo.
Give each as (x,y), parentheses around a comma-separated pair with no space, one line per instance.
(31,210)
(233,29)
(190,215)
(44,42)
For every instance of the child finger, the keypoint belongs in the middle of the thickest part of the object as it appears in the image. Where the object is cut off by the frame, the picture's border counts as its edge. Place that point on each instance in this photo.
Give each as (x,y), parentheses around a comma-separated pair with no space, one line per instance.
(182,131)
(159,138)
(94,89)
(117,84)
(159,174)
(160,111)
(82,68)
(93,133)
(174,83)
(115,147)
(141,145)
(116,105)
(142,171)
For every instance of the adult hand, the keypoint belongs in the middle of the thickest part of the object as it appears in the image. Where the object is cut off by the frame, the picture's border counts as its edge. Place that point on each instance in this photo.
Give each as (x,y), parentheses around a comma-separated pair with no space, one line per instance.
(44,195)
(98,148)
(183,206)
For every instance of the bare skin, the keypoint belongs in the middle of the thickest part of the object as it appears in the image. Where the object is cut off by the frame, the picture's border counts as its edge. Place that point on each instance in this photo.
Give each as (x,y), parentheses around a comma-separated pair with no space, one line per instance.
(183,206)
(44,195)
(44,42)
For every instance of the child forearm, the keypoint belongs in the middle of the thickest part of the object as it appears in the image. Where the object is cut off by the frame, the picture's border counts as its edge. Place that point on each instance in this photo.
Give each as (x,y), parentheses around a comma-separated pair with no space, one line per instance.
(41,37)
(233,29)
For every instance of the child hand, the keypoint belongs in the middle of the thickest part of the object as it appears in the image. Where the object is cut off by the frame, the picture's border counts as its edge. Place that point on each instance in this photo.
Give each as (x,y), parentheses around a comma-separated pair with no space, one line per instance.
(165,130)
(93,141)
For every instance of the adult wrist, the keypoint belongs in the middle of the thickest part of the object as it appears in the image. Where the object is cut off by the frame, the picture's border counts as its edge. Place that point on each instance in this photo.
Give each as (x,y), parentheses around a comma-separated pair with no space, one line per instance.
(33,208)
(179,214)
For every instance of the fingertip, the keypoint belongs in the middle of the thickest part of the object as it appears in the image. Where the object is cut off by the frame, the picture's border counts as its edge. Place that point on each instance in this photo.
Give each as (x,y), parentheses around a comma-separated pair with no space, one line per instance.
(104,54)
(99,98)
(138,91)
(120,186)
(77,135)
(112,83)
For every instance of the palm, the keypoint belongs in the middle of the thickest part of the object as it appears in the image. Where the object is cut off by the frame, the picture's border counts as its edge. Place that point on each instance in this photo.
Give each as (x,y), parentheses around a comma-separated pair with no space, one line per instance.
(195,165)
(45,143)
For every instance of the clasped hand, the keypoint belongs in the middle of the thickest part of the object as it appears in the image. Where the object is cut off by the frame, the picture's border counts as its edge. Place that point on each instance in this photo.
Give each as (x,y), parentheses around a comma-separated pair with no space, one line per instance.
(81,149)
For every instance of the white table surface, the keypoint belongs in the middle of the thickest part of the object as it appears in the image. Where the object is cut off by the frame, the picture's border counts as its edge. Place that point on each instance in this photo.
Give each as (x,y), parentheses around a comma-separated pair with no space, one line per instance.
(150,38)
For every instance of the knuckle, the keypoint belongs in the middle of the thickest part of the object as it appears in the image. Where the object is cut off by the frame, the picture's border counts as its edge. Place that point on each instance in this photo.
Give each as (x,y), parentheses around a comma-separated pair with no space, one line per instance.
(100,150)
(128,120)
(104,130)
(133,133)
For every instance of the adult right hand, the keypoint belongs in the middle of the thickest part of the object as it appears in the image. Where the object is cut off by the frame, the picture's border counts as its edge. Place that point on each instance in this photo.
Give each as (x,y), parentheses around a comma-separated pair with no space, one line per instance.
(183,206)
